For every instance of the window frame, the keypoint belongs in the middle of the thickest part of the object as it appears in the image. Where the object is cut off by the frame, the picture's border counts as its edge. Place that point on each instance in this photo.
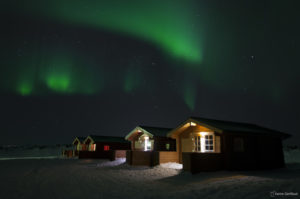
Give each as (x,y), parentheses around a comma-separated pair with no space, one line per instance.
(197,143)
(209,138)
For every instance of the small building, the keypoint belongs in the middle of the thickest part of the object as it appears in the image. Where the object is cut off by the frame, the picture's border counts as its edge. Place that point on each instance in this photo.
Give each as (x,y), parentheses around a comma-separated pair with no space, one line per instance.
(107,147)
(208,145)
(150,146)
(78,145)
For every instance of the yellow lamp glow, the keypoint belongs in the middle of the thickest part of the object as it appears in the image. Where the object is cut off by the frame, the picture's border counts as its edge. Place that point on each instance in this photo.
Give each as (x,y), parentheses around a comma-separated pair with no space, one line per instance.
(203,134)
(193,124)
(146,142)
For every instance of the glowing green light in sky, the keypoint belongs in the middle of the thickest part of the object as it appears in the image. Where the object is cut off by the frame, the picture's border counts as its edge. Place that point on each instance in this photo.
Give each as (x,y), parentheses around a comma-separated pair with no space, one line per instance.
(131,81)
(170,24)
(58,83)
(24,82)
(24,89)
(57,72)
(190,97)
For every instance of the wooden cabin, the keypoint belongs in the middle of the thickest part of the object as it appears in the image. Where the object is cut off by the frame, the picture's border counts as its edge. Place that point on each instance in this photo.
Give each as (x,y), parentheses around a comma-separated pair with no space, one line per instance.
(107,147)
(79,145)
(150,146)
(208,145)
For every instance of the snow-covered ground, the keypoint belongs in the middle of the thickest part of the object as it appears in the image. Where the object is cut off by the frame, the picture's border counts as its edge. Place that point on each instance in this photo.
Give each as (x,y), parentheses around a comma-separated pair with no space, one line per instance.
(30,152)
(73,178)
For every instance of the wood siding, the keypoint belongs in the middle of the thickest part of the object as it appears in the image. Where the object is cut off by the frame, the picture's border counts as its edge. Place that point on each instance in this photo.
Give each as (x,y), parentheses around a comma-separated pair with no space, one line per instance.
(96,155)
(111,154)
(157,143)
(112,146)
(166,156)
(197,162)
(140,158)
(185,142)
(120,153)
(248,152)
(260,152)
(161,142)
(150,158)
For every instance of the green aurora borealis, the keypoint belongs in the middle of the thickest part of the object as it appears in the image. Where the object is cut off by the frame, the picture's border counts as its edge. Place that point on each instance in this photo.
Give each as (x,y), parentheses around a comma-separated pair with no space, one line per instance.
(153,21)
(168,24)
(196,47)
(103,67)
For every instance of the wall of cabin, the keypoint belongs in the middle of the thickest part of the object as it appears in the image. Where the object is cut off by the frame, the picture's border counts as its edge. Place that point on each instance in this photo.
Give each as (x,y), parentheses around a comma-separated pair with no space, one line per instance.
(255,152)
(186,140)
(81,147)
(138,142)
(164,144)
(157,143)
(198,162)
(150,158)
(112,146)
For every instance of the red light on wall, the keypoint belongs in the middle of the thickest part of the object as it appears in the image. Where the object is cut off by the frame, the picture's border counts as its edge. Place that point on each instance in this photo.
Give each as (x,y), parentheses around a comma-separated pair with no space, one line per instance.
(106,148)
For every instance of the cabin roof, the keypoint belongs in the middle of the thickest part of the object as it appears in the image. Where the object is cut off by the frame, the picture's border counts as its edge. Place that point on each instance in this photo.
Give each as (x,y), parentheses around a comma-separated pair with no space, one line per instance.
(237,126)
(230,126)
(102,138)
(78,138)
(150,131)
(157,131)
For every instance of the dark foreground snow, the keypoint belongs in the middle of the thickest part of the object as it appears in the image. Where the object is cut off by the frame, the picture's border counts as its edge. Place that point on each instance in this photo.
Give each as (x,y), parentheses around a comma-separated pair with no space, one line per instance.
(72,178)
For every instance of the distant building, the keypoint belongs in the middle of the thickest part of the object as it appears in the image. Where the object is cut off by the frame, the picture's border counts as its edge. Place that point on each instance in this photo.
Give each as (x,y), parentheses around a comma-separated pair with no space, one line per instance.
(109,147)
(78,144)
(150,146)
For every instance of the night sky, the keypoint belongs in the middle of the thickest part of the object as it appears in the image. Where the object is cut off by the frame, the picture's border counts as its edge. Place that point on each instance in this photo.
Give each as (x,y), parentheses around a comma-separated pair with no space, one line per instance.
(85,67)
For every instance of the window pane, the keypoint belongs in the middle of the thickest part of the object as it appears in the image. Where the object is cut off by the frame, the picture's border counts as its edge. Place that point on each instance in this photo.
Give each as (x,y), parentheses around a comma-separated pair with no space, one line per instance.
(168,146)
(197,142)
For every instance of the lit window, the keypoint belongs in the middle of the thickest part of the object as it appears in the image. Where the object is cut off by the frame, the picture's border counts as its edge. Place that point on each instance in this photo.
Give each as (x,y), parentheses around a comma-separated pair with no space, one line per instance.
(92,147)
(197,140)
(209,143)
(106,148)
(238,145)
(168,146)
(148,146)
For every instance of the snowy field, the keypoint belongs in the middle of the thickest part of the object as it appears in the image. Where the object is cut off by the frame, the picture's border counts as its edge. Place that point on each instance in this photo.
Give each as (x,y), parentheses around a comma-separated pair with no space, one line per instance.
(73,178)
(30,152)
